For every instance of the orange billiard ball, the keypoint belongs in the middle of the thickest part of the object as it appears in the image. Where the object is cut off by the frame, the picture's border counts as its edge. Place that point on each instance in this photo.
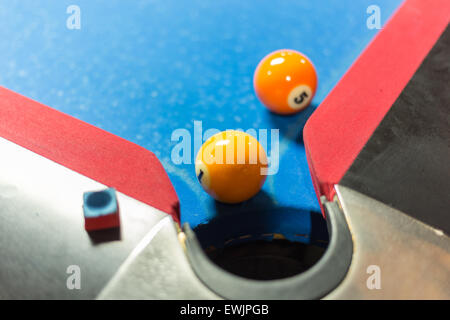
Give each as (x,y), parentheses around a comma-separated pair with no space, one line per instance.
(231,166)
(285,81)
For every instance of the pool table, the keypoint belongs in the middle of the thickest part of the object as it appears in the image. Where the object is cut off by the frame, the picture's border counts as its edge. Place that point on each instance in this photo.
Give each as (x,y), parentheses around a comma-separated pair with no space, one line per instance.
(123,78)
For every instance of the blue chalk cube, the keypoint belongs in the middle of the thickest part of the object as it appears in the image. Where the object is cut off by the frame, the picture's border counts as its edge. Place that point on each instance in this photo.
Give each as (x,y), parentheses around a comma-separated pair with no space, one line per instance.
(100,203)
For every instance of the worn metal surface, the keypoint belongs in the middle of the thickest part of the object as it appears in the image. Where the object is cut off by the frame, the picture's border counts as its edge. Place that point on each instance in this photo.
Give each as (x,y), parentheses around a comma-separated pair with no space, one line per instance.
(414,259)
(157,269)
(41,234)
(42,229)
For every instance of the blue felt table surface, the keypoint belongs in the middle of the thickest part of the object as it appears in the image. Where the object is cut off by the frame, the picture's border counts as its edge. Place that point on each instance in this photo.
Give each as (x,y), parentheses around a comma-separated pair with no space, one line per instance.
(141,69)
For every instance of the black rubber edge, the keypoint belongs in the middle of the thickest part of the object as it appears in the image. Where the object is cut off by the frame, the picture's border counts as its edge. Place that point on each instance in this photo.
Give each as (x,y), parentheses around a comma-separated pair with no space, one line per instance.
(314,283)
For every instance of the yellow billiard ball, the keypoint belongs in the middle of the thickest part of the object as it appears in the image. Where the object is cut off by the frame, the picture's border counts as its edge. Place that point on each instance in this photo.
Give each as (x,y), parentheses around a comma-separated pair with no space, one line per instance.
(231,166)
(285,81)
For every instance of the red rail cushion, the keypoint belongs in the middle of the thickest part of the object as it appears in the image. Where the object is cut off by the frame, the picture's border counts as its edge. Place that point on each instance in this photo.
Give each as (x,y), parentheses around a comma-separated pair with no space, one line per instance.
(88,150)
(343,123)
